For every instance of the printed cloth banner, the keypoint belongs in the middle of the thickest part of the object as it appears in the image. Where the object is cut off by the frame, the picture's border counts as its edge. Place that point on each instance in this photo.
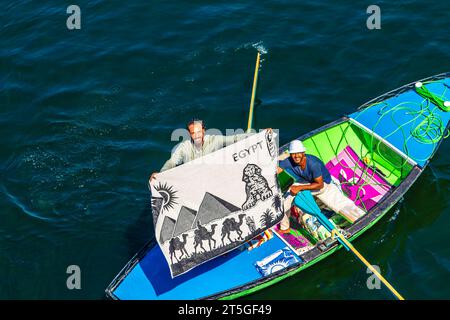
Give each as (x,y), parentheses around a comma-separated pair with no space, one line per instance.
(213,204)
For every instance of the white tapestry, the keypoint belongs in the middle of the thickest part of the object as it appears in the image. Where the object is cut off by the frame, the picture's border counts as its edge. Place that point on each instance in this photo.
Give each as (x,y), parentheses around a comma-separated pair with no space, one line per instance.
(211,205)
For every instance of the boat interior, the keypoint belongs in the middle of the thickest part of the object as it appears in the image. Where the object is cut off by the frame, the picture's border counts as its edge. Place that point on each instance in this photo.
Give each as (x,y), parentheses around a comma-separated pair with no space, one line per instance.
(370,153)
(366,166)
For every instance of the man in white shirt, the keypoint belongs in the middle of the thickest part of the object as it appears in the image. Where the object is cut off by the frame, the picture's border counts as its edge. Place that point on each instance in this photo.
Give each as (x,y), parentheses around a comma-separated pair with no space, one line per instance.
(199,145)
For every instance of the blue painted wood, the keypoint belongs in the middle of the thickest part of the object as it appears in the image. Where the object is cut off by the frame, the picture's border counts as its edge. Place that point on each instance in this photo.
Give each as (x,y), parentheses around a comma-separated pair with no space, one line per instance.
(150,278)
(392,120)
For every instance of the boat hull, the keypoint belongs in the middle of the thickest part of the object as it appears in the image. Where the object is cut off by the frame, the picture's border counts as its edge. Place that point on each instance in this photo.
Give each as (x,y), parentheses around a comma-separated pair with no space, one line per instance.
(234,275)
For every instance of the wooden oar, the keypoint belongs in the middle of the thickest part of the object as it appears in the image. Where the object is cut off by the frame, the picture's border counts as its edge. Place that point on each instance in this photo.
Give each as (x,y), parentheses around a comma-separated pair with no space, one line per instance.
(252,101)
(305,201)
(368,265)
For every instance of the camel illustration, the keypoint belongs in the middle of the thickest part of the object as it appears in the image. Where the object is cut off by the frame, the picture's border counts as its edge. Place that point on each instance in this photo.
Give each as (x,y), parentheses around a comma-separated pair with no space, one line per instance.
(229,225)
(202,234)
(176,244)
(201,228)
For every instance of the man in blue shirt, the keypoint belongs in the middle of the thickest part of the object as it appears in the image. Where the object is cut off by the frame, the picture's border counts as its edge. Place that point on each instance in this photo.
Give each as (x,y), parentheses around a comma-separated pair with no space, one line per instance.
(311,174)
(308,169)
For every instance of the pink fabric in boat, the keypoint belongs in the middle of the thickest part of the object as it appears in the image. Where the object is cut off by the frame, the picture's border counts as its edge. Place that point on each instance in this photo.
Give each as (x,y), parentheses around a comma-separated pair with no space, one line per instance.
(355,177)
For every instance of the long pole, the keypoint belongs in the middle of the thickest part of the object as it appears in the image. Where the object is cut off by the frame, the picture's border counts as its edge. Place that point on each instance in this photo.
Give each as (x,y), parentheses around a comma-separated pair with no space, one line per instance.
(368,265)
(252,104)
(252,101)
(306,202)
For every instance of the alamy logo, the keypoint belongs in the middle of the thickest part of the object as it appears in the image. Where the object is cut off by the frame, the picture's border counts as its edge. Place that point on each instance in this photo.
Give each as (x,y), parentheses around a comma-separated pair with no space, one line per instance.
(74,280)
(373,282)
(374,20)
(74,20)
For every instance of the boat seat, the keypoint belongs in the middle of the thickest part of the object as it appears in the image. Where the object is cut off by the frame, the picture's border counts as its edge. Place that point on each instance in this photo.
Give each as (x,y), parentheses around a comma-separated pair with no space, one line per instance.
(359,182)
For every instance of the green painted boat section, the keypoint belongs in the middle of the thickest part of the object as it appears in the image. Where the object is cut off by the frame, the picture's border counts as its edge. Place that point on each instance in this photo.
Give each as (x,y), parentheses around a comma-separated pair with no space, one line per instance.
(328,144)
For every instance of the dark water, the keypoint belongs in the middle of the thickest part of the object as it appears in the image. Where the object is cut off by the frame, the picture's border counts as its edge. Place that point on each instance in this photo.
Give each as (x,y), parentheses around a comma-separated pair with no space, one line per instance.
(86,115)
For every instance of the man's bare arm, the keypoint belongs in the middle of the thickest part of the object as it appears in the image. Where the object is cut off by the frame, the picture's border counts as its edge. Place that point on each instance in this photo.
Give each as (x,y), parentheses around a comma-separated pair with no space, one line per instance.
(316,185)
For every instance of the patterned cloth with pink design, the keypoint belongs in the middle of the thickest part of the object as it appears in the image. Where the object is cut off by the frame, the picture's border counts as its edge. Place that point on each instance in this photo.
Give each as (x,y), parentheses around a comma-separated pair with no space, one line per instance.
(359,182)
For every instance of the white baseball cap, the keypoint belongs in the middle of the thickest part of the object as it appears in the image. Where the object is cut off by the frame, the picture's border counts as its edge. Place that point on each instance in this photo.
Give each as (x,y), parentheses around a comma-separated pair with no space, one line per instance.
(296,146)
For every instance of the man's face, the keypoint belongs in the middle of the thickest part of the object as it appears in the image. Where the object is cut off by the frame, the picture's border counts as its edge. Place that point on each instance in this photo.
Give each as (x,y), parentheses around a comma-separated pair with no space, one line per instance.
(298,157)
(197,133)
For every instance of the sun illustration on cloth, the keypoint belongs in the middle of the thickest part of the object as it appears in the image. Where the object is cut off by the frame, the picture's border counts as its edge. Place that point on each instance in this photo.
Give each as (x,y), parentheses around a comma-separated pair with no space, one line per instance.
(168,194)
(277,266)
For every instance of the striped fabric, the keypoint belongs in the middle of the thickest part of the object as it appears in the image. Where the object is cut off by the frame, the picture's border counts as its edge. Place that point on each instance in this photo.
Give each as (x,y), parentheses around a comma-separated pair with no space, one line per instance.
(360,183)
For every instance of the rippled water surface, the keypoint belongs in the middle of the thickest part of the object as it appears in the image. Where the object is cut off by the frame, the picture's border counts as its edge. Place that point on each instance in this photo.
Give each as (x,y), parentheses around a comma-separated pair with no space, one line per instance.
(86,115)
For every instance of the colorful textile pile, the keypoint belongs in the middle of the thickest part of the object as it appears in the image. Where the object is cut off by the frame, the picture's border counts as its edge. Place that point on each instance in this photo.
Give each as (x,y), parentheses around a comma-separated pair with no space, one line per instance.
(359,182)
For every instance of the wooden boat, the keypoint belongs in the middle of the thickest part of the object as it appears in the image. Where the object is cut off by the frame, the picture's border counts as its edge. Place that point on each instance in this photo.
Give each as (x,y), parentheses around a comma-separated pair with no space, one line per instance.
(377,153)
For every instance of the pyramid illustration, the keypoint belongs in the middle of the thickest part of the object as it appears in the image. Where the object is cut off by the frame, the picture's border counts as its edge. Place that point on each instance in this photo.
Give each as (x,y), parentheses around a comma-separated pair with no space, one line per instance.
(167,229)
(211,208)
(156,208)
(184,221)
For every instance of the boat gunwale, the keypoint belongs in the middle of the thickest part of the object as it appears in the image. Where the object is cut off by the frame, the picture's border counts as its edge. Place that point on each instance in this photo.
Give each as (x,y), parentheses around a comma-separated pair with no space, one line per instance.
(109,291)
(402,89)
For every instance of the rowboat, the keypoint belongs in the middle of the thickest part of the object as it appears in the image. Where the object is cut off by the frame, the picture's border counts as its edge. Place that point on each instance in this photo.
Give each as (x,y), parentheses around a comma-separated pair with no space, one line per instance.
(376,152)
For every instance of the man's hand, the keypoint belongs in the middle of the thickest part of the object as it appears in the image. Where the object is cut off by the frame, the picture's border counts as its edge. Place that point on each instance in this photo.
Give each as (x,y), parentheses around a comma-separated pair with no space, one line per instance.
(279,170)
(153,176)
(296,189)
(269,129)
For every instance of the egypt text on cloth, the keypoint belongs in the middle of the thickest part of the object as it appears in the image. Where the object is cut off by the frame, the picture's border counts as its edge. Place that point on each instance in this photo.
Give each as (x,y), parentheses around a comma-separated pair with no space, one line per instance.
(212,205)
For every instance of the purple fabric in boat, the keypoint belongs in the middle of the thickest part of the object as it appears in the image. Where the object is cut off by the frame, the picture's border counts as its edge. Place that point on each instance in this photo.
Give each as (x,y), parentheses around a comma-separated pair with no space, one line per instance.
(356,178)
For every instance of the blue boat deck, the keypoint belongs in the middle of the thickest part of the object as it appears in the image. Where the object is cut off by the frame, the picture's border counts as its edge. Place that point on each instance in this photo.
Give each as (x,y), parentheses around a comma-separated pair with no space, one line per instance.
(150,278)
(394,120)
